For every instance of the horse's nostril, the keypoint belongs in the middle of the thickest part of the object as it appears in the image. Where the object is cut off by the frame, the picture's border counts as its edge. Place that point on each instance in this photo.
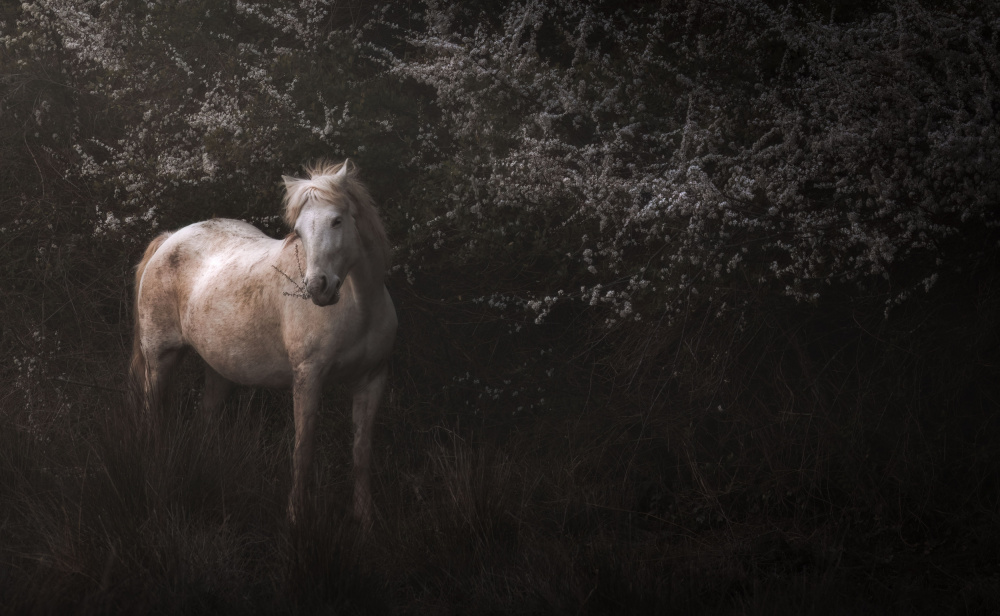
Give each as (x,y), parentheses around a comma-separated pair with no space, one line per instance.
(322,283)
(339,282)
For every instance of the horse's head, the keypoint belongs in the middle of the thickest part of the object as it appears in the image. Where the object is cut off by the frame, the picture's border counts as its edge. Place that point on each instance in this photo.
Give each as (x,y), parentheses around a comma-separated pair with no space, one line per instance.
(323,216)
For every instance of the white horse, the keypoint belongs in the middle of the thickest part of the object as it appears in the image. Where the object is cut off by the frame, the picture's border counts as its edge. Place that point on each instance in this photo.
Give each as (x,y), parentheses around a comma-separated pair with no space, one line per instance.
(224,289)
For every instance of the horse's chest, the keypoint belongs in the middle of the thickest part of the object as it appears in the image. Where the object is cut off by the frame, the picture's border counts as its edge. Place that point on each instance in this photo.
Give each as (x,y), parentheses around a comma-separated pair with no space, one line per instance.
(344,342)
(351,349)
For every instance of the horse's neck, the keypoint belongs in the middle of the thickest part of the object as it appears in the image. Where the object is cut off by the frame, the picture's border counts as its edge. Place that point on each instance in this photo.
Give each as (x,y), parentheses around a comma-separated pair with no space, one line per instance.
(367,278)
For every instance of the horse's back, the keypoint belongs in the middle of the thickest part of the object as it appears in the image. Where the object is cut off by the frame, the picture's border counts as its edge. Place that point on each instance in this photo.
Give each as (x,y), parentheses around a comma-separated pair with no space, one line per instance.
(194,254)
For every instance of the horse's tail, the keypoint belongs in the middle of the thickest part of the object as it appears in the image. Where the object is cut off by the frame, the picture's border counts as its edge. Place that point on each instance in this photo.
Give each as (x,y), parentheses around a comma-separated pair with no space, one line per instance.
(137,371)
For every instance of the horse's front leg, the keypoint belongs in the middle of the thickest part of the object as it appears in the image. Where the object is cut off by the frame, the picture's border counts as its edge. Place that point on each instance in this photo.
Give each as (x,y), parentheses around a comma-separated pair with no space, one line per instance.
(306,391)
(366,400)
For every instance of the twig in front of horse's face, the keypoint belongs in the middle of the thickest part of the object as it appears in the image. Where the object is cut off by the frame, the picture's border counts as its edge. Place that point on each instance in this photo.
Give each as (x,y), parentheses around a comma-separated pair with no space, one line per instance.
(298,262)
(300,289)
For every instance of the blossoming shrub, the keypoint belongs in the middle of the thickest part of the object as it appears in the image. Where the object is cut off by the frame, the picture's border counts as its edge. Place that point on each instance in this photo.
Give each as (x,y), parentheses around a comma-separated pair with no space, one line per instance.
(644,172)
(732,214)
(639,157)
(199,105)
(632,167)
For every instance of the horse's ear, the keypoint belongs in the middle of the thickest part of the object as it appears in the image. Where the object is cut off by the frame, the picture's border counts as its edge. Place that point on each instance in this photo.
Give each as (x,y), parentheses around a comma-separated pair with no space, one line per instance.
(290,182)
(342,174)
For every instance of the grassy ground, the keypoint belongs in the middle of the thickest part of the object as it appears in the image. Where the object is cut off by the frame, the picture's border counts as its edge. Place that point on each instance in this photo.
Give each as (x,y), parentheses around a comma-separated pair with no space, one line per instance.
(573,510)
(806,462)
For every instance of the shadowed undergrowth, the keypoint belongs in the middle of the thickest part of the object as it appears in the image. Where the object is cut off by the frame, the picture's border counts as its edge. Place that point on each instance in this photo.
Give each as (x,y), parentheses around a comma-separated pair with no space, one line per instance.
(829,471)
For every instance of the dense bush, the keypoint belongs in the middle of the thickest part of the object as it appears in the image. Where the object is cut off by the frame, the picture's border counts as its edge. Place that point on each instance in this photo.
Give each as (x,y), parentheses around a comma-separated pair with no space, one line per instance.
(670,275)
(697,147)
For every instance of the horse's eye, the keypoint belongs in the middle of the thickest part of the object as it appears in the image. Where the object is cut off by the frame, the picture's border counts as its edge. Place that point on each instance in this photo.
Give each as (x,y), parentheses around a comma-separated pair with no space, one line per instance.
(336,222)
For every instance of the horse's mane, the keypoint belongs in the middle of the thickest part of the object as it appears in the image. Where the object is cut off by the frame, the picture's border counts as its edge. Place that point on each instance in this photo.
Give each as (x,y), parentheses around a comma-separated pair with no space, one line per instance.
(324,183)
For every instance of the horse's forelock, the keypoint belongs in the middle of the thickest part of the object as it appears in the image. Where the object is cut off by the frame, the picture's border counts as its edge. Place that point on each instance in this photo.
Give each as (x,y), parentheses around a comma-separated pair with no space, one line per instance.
(320,183)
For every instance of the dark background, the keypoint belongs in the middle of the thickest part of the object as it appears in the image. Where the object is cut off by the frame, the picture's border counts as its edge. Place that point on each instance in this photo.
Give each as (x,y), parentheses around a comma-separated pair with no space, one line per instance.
(809,428)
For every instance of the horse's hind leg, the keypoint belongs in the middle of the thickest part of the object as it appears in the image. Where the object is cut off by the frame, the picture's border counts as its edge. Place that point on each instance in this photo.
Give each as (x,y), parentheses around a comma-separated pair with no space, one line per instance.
(160,365)
(366,400)
(217,388)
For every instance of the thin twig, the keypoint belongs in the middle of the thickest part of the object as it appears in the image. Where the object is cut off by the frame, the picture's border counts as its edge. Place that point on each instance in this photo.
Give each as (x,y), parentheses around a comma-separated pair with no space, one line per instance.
(298,262)
(300,289)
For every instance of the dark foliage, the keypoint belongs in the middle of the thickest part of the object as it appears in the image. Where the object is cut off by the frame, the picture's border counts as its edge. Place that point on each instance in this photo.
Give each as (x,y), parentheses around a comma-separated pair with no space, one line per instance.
(745,448)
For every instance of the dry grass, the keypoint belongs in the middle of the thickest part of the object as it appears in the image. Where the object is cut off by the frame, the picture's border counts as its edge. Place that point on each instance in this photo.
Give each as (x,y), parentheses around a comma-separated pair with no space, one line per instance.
(761,508)
(852,469)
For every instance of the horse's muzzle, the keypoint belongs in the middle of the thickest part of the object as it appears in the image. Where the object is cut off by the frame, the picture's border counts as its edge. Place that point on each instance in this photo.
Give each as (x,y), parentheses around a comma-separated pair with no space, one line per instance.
(324,291)
(327,301)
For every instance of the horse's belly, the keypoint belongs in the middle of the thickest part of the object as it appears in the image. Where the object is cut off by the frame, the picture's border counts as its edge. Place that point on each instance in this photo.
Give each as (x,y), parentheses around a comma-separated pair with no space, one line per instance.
(246,351)
(247,367)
